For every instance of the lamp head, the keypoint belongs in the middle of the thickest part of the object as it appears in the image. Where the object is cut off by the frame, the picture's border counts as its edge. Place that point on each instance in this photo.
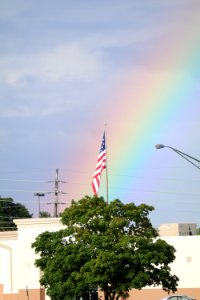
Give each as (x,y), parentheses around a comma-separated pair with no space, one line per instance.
(159,146)
(39,194)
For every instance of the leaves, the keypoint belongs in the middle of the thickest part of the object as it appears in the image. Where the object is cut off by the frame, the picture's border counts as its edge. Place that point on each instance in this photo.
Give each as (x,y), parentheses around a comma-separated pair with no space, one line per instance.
(114,247)
(9,211)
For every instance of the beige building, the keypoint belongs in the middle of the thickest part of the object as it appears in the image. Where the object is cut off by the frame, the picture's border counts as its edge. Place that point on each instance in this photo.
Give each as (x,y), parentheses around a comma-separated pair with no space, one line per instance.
(19,278)
(175,229)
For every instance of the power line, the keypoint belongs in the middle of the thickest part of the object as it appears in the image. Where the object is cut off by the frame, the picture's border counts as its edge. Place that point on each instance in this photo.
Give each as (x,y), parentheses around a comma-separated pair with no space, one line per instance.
(25,191)
(21,180)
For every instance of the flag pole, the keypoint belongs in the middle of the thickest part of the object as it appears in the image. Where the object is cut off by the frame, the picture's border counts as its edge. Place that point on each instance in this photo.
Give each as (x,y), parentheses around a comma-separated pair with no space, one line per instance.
(107,199)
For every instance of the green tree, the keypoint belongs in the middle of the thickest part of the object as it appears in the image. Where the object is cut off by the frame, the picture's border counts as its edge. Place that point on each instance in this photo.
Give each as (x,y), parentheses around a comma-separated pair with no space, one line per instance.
(9,211)
(44,214)
(110,246)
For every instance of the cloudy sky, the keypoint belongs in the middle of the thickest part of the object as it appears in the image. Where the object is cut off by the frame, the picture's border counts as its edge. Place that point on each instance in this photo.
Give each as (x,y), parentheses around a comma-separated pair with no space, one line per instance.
(70,67)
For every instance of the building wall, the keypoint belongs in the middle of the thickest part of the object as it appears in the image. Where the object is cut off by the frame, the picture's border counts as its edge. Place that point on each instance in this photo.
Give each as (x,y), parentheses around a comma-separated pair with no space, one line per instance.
(19,276)
(187,263)
(8,242)
(185,266)
(175,229)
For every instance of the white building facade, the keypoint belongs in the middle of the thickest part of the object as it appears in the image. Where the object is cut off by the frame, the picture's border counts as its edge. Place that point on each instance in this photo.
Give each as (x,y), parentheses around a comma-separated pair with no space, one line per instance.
(19,278)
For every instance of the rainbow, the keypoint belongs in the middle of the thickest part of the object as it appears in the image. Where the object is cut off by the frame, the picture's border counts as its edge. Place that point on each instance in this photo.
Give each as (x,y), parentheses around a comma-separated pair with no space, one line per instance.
(145,108)
(153,101)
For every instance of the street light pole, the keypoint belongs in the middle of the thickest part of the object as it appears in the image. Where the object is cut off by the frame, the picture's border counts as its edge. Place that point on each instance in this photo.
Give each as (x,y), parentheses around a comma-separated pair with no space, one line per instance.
(187,157)
(39,195)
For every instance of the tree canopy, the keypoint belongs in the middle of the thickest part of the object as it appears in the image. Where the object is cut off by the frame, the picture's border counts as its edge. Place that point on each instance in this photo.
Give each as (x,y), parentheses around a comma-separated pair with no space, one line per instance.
(44,214)
(110,246)
(9,211)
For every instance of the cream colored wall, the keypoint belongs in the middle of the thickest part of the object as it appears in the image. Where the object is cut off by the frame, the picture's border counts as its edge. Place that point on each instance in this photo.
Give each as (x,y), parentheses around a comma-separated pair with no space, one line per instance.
(17,257)
(168,229)
(8,242)
(28,230)
(5,267)
(187,263)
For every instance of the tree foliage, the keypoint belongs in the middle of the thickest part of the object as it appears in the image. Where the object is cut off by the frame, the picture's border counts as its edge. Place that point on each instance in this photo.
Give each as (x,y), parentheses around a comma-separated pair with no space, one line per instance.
(113,246)
(44,214)
(9,211)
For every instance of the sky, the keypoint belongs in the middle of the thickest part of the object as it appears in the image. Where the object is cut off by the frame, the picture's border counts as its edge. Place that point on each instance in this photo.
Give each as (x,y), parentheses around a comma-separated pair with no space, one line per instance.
(71,69)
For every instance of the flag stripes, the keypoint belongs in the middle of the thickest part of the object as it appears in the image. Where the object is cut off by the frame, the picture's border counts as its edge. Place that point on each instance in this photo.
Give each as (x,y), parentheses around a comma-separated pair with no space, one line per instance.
(101,164)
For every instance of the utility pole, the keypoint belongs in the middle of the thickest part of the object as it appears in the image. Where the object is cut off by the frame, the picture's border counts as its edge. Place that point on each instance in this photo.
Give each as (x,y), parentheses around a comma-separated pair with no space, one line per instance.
(56,194)
(39,195)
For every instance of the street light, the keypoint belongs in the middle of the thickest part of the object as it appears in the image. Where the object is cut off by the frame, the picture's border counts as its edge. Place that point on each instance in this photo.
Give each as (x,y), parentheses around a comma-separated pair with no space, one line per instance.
(39,195)
(187,157)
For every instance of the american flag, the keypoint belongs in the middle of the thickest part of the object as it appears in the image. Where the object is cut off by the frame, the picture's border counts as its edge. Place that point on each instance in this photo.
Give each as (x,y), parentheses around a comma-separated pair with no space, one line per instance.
(101,164)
